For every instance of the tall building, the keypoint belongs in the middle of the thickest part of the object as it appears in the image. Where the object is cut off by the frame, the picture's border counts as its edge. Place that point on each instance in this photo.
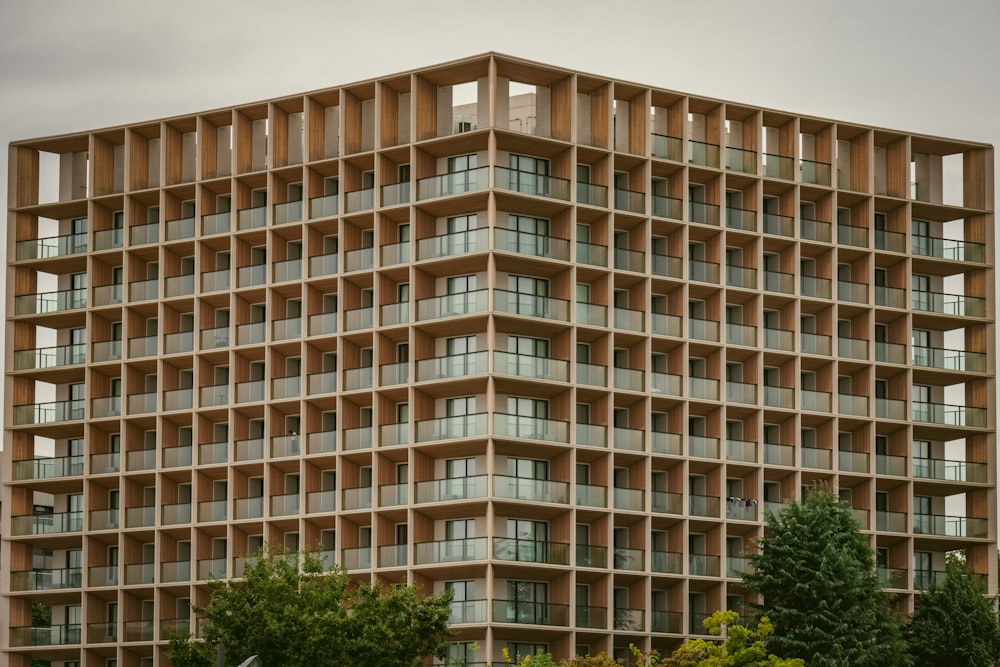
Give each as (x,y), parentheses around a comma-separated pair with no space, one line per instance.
(553,341)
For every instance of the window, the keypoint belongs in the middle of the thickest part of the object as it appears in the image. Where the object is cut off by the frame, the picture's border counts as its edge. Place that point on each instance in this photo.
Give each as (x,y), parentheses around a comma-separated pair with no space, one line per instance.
(526,417)
(532,347)
(529,174)
(527,602)
(463,607)
(462,175)
(529,295)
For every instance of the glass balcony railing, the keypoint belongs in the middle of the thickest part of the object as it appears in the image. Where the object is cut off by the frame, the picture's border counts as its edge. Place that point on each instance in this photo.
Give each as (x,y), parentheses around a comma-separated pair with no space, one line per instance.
(108,239)
(667,384)
(453,183)
(177,230)
(705,272)
(358,438)
(358,318)
(525,488)
(779,397)
(776,281)
(211,568)
(779,339)
(850,404)
(213,510)
(48,413)
(531,613)
(817,459)
(741,392)
(175,514)
(740,276)
(591,374)
(890,408)
(359,200)
(667,147)
(778,455)
(182,285)
(629,320)
(592,194)
(706,214)
(591,435)
(51,247)
(393,374)
(214,281)
(949,304)
(216,395)
(286,387)
(949,470)
(457,243)
(252,390)
(102,575)
(779,166)
(51,302)
(815,230)
(593,314)
(140,459)
(629,439)
(629,559)
(251,449)
(531,428)
(322,324)
(288,269)
(851,291)
(815,173)
(852,235)
(667,266)
(779,225)
(358,378)
(590,495)
(852,348)
(955,360)
(447,428)
(668,207)
(530,551)
(666,562)
(451,551)
(178,342)
(704,154)
(816,401)
(890,521)
(321,442)
(525,365)
(453,366)
(517,303)
(449,305)
(175,571)
(889,464)
(392,254)
(813,343)
(950,415)
(742,160)
(703,565)
(213,452)
(101,464)
(590,555)
(286,329)
(323,207)
(251,218)
(144,346)
(591,253)
(892,353)
(50,357)
(703,329)
(144,234)
(949,526)
(178,399)
(323,265)
(630,200)
(176,457)
(248,508)
(892,297)
(662,442)
(284,505)
(703,388)
(703,447)
(289,211)
(530,183)
(666,325)
(738,218)
(321,501)
(46,579)
(47,524)
(848,461)
(666,502)
(55,635)
(139,517)
(106,350)
(216,223)
(396,193)
(741,334)
(630,260)
(891,241)
(952,249)
(454,488)
(251,276)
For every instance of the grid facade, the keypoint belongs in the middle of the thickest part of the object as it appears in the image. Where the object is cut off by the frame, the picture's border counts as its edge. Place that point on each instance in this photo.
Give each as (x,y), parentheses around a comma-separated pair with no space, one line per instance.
(551,341)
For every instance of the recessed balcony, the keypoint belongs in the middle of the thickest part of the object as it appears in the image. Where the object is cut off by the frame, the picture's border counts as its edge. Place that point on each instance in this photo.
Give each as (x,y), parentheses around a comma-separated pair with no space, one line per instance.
(214,281)
(452,488)
(816,458)
(323,207)
(702,271)
(178,343)
(703,447)
(531,613)
(448,428)
(741,392)
(530,183)
(453,183)
(591,194)
(704,154)
(144,290)
(530,551)
(741,160)
(530,305)
(48,468)
(290,211)
(254,275)
(525,365)
(949,304)
(46,580)
(951,249)
(323,265)
(50,302)
(953,360)
(742,219)
(668,207)
(666,325)
(741,334)
(144,234)
(630,201)
(703,388)
(591,495)
(949,415)
(217,223)
(109,239)
(949,526)
(628,319)
(525,488)
(701,212)
(779,166)
(451,551)
(890,241)
(456,243)
(530,428)
(182,285)
(851,291)
(56,635)
(949,470)
(251,218)
(703,565)
(707,330)
(48,413)
(182,228)
(815,230)
(51,247)
(394,194)
(666,147)
(592,314)
(449,305)
(707,506)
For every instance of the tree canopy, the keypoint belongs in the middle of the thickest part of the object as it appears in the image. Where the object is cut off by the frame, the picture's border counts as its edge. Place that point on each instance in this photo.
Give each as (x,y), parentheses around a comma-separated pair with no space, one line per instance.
(954,623)
(288,611)
(741,646)
(816,576)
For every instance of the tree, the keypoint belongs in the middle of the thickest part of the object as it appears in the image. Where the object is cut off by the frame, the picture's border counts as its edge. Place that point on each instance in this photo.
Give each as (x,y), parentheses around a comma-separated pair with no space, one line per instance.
(816,576)
(740,648)
(954,623)
(288,611)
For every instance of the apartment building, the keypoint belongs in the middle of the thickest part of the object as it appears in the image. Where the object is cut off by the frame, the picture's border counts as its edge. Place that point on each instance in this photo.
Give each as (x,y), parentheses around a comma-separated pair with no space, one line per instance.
(551,341)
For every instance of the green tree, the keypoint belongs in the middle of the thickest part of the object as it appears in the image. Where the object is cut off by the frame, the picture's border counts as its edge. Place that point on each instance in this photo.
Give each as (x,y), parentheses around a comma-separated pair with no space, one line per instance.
(816,576)
(954,623)
(288,611)
(741,647)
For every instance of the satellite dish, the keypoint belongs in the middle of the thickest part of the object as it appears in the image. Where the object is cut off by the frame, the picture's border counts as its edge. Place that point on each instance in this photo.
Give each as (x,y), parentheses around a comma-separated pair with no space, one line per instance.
(252,661)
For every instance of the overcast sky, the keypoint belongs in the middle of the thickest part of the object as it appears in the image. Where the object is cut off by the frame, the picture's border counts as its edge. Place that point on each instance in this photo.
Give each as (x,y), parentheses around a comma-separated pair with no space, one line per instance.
(914,65)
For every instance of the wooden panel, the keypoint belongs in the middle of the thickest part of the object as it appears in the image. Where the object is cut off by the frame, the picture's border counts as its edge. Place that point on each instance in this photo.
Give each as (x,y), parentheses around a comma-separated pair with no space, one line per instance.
(897,168)
(600,113)
(388,114)
(138,161)
(861,162)
(562,109)
(279,136)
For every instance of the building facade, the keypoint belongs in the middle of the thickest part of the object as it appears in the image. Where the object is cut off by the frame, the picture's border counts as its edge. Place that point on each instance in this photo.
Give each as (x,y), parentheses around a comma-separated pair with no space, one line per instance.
(552,341)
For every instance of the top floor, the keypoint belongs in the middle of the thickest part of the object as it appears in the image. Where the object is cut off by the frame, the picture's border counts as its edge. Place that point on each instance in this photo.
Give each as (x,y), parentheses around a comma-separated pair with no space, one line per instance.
(498,92)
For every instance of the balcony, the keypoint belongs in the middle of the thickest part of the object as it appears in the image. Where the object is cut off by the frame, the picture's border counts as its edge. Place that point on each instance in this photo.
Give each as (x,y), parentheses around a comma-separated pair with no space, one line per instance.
(590,495)
(322,324)
(630,201)
(530,305)
(703,565)
(953,360)
(525,488)
(48,468)
(392,254)
(323,265)
(779,225)
(890,408)
(140,459)
(949,526)
(704,154)
(251,218)
(144,290)
(891,353)
(741,392)
(741,334)
(217,223)
(254,275)
(741,276)
(707,506)
(815,173)
(530,551)
(182,228)
(666,502)
(47,524)
(321,442)
(396,193)
(951,249)
(453,366)
(213,396)
(666,443)
(524,365)
(48,413)
(776,281)
(358,438)
(891,241)
(50,357)
(628,500)
(591,617)
(850,291)
(813,343)
(102,575)
(890,521)
(852,235)
(448,428)
(175,571)
(778,455)
(591,253)
(288,269)
(453,183)
(949,470)
(450,551)
(449,305)
(779,166)
(703,329)
(706,214)
(530,183)
(178,343)
(144,234)
(591,194)
(738,218)
(668,207)
(101,464)
(949,415)
(666,147)
(743,451)
(817,459)
(532,613)
(214,281)
(211,568)
(737,566)
(393,495)
(286,329)
(705,272)
(891,297)
(631,620)
(666,325)
(457,243)
(290,211)
(592,374)
(703,388)
(738,159)
(888,464)
(213,510)
(284,505)
(357,378)
(323,207)
(177,457)
(46,580)
(703,447)
(248,508)
(949,304)
(630,260)
(213,452)
(815,230)
(852,348)
(779,339)
(666,383)
(175,514)
(55,635)
(50,302)
(139,517)
(818,288)
(250,450)
(51,247)
(321,501)
(108,239)
(106,350)
(456,488)
(850,404)
(358,498)
(143,346)
(182,285)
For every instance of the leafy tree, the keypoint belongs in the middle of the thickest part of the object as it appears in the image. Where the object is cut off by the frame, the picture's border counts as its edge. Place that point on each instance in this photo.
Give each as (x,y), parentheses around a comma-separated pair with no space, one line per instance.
(741,647)
(288,611)
(816,576)
(954,623)
(599,660)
